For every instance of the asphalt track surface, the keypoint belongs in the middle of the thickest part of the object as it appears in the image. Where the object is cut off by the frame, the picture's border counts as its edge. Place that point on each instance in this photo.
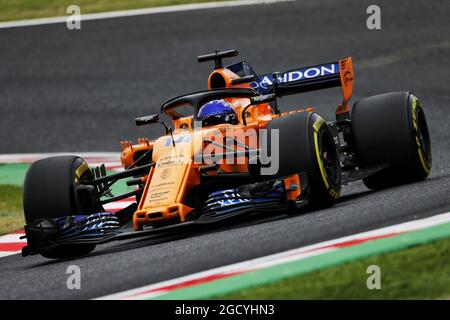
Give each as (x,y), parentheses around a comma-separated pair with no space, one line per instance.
(81,90)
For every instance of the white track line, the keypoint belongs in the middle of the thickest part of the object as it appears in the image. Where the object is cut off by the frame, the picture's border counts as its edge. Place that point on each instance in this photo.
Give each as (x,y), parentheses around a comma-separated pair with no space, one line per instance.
(11,239)
(7,253)
(138,12)
(93,157)
(157,289)
(118,205)
(110,159)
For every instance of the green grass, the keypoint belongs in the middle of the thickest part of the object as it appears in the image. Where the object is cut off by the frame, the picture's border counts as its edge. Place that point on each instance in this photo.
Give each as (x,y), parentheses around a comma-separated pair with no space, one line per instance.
(422,272)
(13,173)
(28,9)
(11,211)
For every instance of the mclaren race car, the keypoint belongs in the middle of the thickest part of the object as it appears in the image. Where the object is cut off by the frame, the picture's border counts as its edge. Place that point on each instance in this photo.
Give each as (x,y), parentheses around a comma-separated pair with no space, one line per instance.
(229,153)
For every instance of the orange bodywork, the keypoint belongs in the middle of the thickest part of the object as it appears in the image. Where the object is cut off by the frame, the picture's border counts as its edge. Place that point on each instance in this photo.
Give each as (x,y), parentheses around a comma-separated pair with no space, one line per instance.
(175,171)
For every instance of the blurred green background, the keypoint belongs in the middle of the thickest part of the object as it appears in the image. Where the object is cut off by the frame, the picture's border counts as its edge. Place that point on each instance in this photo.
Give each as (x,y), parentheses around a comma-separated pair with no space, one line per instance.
(30,9)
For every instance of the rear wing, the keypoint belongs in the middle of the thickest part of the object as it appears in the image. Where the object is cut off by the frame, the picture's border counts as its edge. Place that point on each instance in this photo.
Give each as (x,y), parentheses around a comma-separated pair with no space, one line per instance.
(323,76)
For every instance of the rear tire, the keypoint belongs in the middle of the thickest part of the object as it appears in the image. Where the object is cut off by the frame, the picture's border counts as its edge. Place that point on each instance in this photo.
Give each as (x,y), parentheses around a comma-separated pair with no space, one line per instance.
(48,193)
(306,144)
(391,129)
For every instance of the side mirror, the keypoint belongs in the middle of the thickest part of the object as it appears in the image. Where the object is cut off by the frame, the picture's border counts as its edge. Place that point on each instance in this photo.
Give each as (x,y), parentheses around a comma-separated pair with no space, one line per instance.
(241,80)
(154,118)
(141,121)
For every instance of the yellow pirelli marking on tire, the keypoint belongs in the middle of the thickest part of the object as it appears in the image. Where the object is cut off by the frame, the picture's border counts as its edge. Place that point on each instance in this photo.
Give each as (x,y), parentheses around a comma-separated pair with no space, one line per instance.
(415,104)
(317,125)
(319,160)
(414,107)
(81,169)
(425,167)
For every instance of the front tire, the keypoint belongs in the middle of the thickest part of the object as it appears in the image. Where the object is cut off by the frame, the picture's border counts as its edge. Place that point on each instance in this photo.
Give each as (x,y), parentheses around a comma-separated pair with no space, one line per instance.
(48,193)
(306,144)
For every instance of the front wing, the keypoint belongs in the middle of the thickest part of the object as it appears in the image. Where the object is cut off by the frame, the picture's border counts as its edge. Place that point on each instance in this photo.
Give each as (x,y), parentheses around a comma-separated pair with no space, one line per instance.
(99,228)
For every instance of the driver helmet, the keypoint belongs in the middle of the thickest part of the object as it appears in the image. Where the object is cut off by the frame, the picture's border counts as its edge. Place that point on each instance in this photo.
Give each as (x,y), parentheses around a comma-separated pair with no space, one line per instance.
(217,112)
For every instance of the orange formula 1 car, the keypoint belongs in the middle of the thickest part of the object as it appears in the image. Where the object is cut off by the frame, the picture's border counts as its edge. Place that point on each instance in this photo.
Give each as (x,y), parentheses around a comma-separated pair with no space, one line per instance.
(230,153)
